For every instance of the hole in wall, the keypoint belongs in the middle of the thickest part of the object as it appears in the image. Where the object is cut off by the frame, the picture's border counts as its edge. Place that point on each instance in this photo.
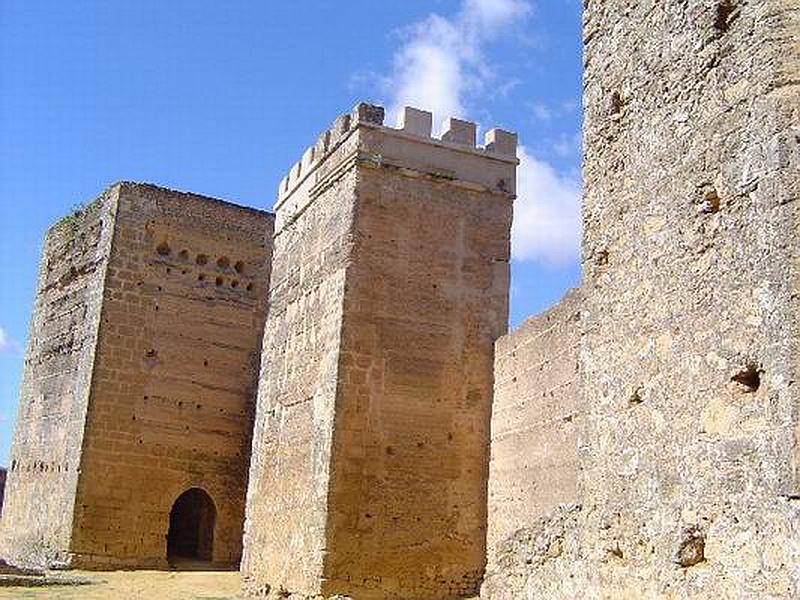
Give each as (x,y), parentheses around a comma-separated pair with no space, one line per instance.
(219,281)
(691,549)
(635,397)
(249,287)
(710,202)
(748,379)
(163,249)
(223,262)
(234,283)
(616,551)
(725,15)
(601,258)
(184,255)
(201,259)
(617,103)
(239,266)
(201,277)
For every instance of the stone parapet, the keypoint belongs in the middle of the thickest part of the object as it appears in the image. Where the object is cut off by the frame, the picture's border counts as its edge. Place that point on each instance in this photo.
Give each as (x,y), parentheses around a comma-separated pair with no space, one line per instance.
(361,137)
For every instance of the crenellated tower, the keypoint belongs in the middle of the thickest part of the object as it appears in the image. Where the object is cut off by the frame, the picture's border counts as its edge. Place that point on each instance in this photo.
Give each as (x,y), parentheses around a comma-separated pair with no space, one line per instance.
(389,287)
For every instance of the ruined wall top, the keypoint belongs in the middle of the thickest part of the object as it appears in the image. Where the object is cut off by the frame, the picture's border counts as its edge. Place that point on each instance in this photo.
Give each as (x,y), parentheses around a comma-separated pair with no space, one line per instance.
(409,149)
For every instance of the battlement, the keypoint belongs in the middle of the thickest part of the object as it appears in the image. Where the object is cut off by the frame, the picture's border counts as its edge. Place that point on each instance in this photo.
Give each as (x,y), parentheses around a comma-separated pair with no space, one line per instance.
(454,158)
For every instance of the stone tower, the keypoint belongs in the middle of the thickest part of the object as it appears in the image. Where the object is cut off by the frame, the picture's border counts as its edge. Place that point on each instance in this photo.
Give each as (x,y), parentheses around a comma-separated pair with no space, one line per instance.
(389,287)
(688,446)
(139,384)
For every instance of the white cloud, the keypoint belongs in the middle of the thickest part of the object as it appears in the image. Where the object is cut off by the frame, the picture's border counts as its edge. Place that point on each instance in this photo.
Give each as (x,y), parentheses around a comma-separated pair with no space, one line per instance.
(547,214)
(441,67)
(570,106)
(541,111)
(568,145)
(442,63)
(5,342)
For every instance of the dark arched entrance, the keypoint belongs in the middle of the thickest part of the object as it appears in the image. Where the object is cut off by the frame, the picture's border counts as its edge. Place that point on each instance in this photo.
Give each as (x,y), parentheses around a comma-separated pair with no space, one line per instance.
(191,526)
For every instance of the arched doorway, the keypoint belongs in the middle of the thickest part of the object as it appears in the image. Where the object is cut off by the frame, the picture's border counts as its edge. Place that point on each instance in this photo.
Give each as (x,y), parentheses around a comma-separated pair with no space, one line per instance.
(191,526)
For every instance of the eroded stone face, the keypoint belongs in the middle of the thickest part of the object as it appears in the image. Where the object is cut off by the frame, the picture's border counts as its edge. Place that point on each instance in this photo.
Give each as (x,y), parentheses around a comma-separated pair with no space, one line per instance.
(535,420)
(45,457)
(389,289)
(139,382)
(688,457)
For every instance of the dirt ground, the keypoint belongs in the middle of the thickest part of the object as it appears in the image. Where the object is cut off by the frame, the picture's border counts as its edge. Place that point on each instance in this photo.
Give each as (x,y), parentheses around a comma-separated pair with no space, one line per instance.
(136,585)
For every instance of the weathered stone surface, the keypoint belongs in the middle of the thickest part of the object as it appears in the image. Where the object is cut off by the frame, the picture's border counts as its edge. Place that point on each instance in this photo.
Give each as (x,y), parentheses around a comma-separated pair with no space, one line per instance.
(389,289)
(669,468)
(139,381)
(45,457)
(688,454)
(3,474)
(535,415)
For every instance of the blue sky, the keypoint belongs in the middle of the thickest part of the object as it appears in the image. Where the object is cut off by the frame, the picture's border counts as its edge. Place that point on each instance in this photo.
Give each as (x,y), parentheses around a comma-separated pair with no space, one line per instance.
(221,98)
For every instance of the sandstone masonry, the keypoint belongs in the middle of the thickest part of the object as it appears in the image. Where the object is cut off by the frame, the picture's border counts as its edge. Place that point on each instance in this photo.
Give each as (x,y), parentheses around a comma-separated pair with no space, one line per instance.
(389,288)
(644,431)
(139,380)
(688,451)
(535,416)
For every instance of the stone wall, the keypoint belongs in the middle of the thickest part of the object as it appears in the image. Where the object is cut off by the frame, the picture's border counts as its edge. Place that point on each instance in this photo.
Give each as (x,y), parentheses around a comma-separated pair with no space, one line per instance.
(688,459)
(140,379)
(287,496)
(389,289)
(535,416)
(175,378)
(45,455)
(3,475)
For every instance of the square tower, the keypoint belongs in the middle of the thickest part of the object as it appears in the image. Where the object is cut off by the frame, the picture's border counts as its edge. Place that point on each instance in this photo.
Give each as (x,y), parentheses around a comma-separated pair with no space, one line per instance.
(139,384)
(389,287)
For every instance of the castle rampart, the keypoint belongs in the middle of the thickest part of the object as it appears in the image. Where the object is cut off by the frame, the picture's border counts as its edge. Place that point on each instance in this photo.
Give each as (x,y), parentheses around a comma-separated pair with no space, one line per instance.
(535,418)
(643,432)
(688,453)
